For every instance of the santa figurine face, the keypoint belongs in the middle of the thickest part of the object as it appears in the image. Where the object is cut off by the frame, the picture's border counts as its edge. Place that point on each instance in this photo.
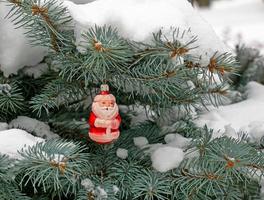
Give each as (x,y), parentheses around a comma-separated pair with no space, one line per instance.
(104,119)
(107,104)
(105,108)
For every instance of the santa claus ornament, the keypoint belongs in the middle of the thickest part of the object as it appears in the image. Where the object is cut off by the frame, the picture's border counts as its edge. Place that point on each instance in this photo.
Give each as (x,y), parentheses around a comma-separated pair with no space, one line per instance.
(104,119)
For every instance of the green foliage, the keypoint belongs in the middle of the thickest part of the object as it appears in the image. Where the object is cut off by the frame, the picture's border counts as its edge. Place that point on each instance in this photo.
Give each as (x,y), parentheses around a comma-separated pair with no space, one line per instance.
(125,173)
(53,167)
(56,93)
(224,166)
(11,102)
(5,162)
(160,74)
(151,185)
(8,190)
(42,21)
(252,66)
(106,54)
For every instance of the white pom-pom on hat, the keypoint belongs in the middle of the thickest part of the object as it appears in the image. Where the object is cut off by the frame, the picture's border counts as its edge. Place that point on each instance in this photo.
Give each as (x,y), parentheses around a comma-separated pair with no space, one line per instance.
(104,94)
(104,87)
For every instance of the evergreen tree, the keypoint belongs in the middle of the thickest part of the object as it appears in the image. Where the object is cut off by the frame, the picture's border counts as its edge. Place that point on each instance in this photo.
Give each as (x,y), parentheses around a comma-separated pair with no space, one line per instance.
(158,76)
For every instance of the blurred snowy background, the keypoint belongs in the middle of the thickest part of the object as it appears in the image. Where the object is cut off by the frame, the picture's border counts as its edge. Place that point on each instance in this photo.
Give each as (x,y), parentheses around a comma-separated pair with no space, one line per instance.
(237,21)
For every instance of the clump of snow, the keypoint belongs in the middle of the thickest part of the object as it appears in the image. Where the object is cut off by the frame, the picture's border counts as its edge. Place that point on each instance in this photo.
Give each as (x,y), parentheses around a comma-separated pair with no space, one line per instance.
(115,189)
(5,88)
(246,116)
(122,153)
(254,129)
(36,71)
(169,138)
(13,140)
(177,140)
(137,20)
(140,141)
(3,126)
(59,158)
(87,184)
(34,126)
(242,21)
(166,158)
(15,50)
(100,193)
(230,131)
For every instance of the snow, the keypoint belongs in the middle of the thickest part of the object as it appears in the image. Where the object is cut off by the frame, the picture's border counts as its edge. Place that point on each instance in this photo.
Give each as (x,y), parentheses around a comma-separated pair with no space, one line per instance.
(5,88)
(13,140)
(58,158)
(15,50)
(122,153)
(166,158)
(3,126)
(237,21)
(138,19)
(87,184)
(140,141)
(115,189)
(246,116)
(36,71)
(230,131)
(254,129)
(100,193)
(31,125)
(177,140)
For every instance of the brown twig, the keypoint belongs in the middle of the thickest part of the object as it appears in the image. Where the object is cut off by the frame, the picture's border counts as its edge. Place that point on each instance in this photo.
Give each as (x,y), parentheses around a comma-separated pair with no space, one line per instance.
(60,165)
(43,12)
(209,176)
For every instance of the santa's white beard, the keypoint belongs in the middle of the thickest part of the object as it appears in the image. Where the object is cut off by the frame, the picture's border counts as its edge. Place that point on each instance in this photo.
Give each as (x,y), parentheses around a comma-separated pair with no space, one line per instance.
(104,112)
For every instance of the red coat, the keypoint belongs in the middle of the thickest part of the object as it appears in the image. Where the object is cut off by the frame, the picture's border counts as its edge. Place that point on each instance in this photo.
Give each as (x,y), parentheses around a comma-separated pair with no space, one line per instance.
(98,134)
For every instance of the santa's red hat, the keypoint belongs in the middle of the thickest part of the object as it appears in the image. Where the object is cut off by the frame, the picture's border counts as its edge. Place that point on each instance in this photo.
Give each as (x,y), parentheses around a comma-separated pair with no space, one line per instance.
(104,94)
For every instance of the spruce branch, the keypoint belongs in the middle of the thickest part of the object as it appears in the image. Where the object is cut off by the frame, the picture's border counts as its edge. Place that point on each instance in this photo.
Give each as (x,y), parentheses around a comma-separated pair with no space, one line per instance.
(8,188)
(156,72)
(11,102)
(43,21)
(221,65)
(53,167)
(151,185)
(105,53)
(176,47)
(4,167)
(57,93)
(10,192)
(98,189)
(124,174)
(222,163)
